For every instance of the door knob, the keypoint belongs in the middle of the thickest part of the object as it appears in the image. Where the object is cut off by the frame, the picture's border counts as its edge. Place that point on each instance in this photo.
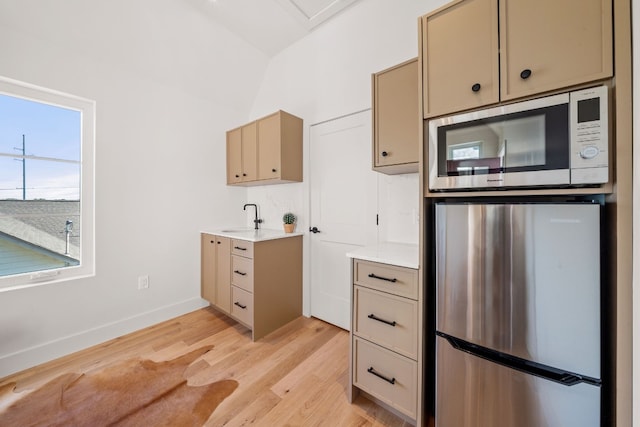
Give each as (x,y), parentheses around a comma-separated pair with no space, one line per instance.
(314,230)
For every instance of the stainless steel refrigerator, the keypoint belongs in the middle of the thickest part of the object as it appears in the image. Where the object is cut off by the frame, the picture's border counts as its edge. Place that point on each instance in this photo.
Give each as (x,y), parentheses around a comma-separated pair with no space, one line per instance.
(518,315)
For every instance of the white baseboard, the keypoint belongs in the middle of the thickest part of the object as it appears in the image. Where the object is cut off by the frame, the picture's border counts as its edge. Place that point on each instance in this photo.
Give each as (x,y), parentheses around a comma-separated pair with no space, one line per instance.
(51,350)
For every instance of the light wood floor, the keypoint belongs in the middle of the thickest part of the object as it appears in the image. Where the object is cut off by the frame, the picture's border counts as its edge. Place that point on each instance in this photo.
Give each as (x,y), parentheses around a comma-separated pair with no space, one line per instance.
(296,376)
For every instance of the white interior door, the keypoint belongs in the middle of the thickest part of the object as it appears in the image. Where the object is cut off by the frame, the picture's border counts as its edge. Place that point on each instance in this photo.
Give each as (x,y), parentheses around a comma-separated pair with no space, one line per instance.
(343,198)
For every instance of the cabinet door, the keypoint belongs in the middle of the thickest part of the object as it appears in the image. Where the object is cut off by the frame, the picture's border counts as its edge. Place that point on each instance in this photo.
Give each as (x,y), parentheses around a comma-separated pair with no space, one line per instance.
(395,115)
(249,152)
(234,156)
(223,273)
(460,57)
(560,42)
(269,147)
(208,267)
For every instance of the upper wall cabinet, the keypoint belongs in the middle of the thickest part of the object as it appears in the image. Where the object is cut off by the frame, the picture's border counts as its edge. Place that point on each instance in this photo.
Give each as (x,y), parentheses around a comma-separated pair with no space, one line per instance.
(460,57)
(267,151)
(396,118)
(474,56)
(242,154)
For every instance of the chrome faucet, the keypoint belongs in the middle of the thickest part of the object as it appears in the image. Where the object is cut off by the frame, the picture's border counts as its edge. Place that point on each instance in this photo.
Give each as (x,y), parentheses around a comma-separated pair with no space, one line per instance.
(256,221)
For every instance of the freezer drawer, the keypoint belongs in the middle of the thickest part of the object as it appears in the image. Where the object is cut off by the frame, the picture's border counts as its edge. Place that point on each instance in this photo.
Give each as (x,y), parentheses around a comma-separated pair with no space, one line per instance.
(474,392)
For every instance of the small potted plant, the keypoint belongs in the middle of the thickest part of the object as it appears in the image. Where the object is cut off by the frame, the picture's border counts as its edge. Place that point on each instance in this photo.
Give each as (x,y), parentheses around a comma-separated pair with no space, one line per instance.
(289,220)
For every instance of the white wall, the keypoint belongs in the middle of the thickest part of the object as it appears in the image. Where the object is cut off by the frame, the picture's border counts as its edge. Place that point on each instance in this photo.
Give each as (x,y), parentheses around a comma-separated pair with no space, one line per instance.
(167,84)
(327,75)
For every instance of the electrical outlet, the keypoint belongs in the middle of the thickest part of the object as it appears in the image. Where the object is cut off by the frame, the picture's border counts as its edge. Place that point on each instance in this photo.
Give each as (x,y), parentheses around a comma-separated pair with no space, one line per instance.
(143,282)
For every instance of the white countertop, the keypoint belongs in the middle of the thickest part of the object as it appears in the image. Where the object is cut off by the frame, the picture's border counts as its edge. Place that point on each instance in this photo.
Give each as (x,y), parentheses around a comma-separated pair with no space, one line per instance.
(400,254)
(250,234)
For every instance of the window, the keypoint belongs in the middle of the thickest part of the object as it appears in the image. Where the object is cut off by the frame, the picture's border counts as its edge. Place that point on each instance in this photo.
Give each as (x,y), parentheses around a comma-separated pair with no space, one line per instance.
(47,143)
(470,150)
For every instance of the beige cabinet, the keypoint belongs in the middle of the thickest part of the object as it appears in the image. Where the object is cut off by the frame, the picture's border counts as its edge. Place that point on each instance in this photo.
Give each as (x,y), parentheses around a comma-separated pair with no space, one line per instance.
(215,263)
(266,151)
(261,284)
(280,148)
(460,57)
(242,154)
(480,52)
(556,43)
(396,118)
(386,336)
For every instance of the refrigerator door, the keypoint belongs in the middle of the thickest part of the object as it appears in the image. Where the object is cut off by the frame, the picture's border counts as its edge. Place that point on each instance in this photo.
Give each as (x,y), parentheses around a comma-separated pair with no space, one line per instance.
(523,279)
(473,392)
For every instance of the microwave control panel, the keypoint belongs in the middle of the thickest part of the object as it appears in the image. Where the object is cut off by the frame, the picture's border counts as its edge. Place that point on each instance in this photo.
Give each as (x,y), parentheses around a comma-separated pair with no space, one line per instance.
(589,133)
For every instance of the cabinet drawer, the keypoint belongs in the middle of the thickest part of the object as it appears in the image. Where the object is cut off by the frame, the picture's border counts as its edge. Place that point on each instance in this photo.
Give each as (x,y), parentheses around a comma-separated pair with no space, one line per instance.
(387,320)
(242,248)
(400,281)
(242,306)
(386,375)
(242,272)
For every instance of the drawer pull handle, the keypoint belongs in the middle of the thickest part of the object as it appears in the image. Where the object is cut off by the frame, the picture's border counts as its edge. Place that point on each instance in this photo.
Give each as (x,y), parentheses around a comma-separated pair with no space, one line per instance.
(374,317)
(239,248)
(389,380)
(239,272)
(373,276)
(244,307)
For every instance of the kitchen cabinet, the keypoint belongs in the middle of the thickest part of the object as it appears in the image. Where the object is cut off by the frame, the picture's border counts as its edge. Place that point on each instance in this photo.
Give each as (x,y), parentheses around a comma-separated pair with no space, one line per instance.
(242,154)
(261,285)
(480,52)
(387,331)
(265,151)
(280,148)
(215,264)
(396,118)
(459,51)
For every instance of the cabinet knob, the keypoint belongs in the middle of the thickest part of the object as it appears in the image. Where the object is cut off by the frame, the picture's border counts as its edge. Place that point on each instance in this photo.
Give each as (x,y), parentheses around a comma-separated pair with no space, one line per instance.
(525,74)
(384,154)
(213,241)
(244,174)
(218,242)
(476,87)
(237,176)
(273,170)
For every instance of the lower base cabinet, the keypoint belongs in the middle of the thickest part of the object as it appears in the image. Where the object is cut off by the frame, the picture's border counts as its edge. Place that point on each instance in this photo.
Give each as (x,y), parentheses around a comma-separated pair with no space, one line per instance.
(386,376)
(264,279)
(385,337)
(242,307)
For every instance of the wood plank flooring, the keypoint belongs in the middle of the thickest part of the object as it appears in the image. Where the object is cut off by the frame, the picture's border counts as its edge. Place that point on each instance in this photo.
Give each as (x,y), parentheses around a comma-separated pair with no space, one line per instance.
(296,376)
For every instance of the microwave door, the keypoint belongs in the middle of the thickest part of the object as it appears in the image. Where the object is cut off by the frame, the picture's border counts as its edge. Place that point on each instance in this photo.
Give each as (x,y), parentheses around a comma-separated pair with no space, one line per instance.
(509,146)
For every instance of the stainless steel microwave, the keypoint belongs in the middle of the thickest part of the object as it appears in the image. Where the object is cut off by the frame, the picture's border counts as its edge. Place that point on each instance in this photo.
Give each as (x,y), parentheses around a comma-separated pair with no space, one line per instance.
(555,141)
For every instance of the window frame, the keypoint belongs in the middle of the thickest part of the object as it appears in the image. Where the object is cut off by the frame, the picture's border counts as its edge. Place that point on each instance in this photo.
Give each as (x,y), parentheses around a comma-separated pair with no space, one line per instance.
(87,110)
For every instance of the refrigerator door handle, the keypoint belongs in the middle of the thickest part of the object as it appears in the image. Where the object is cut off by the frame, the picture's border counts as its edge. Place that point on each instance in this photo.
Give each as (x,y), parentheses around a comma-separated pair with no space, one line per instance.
(538,369)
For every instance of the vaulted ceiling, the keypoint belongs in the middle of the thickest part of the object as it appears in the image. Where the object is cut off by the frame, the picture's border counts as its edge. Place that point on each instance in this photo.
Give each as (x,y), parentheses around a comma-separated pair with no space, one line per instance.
(272,25)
